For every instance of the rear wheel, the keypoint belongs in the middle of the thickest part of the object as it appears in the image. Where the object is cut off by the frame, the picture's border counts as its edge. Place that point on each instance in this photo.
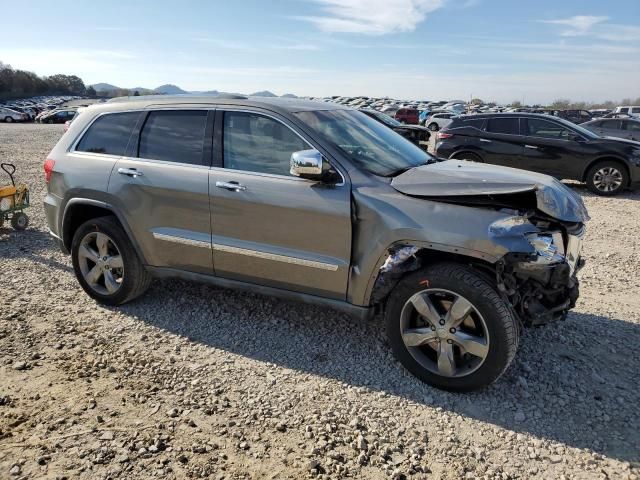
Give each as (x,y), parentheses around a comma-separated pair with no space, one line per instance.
(106,264)
(8,119)
(450,328)
(433,127)
(607,178)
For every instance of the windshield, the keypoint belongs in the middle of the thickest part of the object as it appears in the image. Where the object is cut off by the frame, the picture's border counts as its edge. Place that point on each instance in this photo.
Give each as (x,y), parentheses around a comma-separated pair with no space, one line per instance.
(366,142)
(386,118)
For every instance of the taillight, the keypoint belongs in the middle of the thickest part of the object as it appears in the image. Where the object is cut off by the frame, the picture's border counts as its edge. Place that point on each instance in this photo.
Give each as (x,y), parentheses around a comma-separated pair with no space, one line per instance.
(443,135)
(48,169)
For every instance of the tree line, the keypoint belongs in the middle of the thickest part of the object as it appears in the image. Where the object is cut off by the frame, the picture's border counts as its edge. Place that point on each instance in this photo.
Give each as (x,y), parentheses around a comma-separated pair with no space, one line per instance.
(16,83)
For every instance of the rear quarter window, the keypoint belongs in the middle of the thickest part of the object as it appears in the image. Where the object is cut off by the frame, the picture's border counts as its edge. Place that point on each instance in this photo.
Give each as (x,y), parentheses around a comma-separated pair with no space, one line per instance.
(507,126)
(474,123)
(109,134)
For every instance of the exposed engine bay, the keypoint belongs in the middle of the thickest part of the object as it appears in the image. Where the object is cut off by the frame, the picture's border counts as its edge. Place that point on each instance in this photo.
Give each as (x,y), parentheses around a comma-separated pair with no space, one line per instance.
(541,286)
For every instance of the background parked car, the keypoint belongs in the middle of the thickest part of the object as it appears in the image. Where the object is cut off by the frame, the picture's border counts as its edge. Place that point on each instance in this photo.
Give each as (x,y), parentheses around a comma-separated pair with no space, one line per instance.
(545,144)
(629,109)
(438,121)
(414,133)
(57,116)
(574,116)
(407,115)
(9,115)
(628,128)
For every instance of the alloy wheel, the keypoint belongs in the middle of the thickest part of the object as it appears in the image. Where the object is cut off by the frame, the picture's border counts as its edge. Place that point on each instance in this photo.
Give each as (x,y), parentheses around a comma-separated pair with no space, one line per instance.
(444,332)
(607,179)
(101,263)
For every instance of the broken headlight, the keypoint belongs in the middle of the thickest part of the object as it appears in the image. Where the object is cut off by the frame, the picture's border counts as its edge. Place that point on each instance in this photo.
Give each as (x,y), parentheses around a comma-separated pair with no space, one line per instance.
(549,247)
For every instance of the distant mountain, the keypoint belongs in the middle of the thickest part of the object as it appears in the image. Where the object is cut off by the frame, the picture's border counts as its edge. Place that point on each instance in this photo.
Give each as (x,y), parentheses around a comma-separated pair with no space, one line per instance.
(289,95)
(103,87)
(169,89)
(264,93)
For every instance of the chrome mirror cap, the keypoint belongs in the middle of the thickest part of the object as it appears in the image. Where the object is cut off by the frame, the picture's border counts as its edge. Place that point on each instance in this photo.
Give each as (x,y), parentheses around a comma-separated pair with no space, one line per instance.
(306,164)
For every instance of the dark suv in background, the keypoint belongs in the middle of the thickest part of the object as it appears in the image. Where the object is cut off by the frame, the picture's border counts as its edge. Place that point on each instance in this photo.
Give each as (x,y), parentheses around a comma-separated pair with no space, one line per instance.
(544,144)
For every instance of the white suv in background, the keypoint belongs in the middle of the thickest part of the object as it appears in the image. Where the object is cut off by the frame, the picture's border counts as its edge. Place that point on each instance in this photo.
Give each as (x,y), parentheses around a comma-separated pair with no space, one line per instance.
(633,110)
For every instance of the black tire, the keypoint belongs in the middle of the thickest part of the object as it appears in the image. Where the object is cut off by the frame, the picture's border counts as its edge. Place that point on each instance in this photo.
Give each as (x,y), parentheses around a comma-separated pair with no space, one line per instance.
(501,324)
(19,221)
(470,157)
(433,127)
(620,175)
(135,279)
(8,119)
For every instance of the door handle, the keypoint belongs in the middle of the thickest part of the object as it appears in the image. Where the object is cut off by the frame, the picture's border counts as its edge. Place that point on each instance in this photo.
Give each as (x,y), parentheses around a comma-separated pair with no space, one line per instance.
(533,147)
(485,140)
(130,172)
(233,186)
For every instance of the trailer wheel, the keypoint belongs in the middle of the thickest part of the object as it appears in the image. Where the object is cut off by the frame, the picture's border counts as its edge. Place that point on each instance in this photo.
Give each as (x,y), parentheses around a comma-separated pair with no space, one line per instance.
(20,221)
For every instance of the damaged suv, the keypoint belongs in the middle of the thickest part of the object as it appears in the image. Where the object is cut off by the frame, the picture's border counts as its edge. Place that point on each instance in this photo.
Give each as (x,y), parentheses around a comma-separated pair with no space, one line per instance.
(320,203)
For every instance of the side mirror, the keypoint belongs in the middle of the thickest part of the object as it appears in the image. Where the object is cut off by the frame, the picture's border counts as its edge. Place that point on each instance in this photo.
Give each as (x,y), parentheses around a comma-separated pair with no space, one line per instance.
(574,137)
(307,164)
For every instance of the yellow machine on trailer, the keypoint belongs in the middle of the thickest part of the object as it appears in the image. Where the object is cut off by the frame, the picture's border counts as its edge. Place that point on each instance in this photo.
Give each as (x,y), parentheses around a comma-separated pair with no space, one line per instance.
(13,200)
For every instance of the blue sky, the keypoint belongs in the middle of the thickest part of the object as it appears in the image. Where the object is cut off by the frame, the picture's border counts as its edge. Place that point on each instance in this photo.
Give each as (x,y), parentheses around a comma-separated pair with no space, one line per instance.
(501,50)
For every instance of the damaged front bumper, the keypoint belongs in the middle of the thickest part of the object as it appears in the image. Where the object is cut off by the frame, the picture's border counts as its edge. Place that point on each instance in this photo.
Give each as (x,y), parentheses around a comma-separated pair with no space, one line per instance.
(538,292)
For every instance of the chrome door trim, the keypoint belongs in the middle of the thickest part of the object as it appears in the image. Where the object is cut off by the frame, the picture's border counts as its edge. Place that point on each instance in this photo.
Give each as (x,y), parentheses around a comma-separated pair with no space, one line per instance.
(275,257)
(180,240)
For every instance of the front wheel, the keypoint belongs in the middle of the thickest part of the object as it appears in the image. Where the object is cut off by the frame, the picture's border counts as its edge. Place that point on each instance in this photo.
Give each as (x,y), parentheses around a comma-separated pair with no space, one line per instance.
(450,328)
(433,127)
(106,264)
(607,178)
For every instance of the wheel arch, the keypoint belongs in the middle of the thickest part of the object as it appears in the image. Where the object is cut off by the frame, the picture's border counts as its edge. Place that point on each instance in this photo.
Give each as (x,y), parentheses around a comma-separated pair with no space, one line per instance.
(456,155)
(79,210)
(607,158)
(383,282)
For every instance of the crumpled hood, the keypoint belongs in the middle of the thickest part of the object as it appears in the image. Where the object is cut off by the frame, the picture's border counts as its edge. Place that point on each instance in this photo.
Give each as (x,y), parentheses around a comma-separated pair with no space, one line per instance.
(453,179)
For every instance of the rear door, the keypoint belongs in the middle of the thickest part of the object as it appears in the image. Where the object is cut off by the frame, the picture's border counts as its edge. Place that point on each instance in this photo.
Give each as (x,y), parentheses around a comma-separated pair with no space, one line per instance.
(271,228)
(551,148)
(161,186)
(631,129)
(611,128)
(501,142)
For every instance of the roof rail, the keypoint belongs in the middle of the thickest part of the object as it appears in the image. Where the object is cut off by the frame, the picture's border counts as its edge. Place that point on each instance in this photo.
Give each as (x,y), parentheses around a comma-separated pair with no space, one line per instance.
(226,96)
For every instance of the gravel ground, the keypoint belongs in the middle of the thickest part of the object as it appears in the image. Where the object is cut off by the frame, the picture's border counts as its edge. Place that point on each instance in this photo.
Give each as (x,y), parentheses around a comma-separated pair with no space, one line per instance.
(191,381)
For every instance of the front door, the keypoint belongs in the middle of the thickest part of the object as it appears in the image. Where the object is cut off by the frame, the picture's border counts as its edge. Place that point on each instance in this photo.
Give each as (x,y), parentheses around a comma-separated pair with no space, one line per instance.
(271,228)
(162,188)
(551,148)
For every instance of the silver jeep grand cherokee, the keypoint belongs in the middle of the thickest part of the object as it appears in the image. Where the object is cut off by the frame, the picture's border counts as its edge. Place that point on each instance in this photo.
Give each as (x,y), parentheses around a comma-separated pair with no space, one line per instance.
(320,203)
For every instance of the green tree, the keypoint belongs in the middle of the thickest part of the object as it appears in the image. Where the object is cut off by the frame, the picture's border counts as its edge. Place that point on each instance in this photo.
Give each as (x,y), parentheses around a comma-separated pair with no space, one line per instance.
(91,92)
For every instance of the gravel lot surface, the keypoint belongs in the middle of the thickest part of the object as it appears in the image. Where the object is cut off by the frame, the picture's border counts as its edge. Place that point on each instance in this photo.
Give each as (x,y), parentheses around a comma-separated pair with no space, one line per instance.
(192,381)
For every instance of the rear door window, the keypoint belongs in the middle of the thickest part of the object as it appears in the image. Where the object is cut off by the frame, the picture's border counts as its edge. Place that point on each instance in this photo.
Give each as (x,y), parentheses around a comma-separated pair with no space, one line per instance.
(505,126)
(633,126)
(174,136)
(611,124)
(109,134)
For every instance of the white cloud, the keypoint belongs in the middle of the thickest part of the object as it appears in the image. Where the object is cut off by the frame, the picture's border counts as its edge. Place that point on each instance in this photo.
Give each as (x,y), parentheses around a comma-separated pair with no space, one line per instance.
(373,17)
(578,25)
